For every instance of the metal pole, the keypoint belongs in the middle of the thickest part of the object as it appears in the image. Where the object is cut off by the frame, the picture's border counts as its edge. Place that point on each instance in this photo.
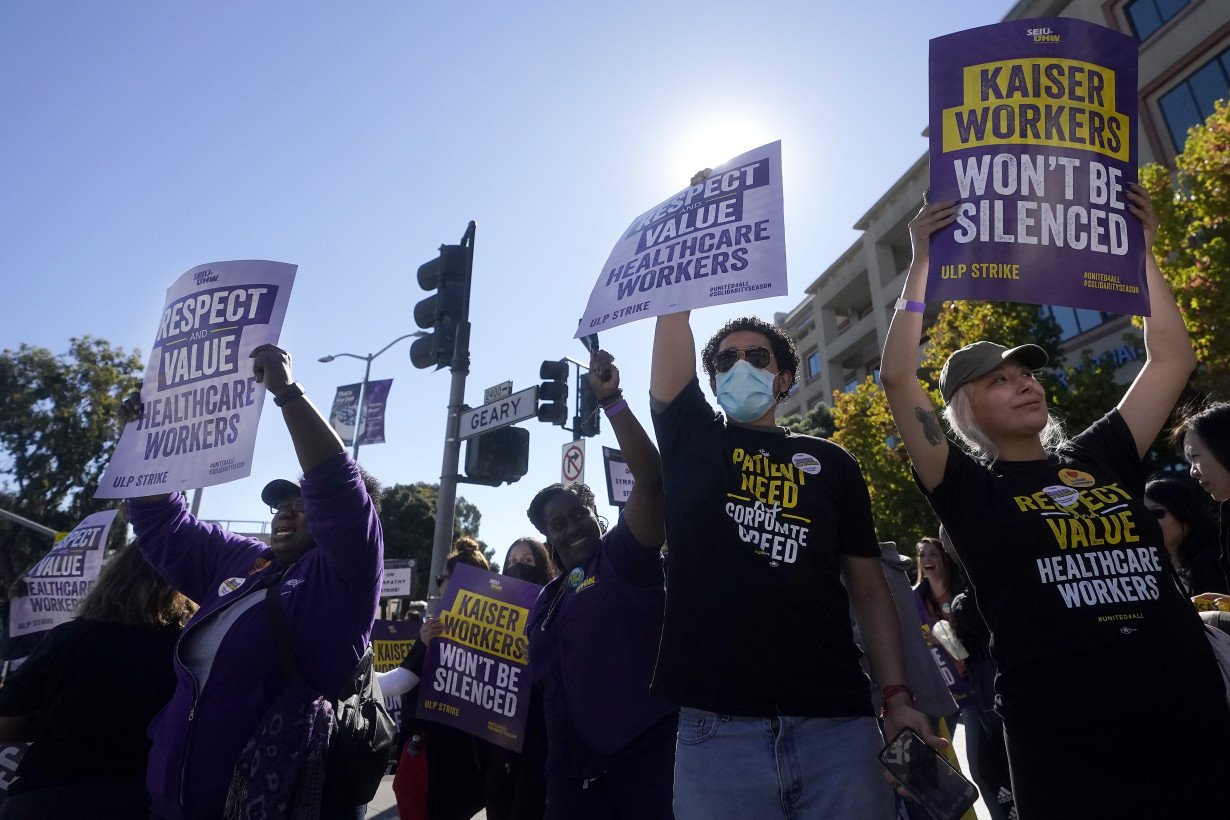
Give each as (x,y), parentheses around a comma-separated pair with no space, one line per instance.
(446,500)
(358,418)
(26,522)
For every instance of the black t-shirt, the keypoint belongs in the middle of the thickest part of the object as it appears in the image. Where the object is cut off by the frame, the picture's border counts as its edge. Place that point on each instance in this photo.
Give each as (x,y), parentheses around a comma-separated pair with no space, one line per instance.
(92,689)
(757,521)
(1072,578)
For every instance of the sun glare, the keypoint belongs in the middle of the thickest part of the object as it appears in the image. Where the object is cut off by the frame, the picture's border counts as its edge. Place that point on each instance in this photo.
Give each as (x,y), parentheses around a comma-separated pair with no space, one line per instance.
(709,143)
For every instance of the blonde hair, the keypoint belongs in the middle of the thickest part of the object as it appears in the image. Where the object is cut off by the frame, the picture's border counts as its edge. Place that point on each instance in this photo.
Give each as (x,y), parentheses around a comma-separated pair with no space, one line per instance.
(466,550)
(131,593)
(960,417)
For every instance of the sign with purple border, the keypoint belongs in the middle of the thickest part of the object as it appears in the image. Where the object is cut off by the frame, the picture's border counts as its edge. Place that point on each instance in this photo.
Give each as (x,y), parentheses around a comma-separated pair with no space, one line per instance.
(391,642)
(474,678)
(1033,132)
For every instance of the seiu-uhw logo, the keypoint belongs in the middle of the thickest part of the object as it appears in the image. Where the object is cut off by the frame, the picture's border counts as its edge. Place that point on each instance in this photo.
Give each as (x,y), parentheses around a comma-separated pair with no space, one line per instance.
(204,276)
(1043,35)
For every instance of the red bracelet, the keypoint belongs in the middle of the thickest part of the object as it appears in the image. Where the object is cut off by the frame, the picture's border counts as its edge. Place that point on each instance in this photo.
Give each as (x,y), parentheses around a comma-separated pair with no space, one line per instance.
(891,691)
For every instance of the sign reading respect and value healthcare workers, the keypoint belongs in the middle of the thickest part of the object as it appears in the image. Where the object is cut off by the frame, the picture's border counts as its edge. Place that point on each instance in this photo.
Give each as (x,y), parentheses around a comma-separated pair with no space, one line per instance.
(202,404)
(476,675)
(715,242)
(1033,132)
(61,578)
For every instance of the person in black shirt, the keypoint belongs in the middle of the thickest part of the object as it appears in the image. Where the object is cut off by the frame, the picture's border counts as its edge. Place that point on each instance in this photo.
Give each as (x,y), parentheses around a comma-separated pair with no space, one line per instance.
(86,694)
(1090,632)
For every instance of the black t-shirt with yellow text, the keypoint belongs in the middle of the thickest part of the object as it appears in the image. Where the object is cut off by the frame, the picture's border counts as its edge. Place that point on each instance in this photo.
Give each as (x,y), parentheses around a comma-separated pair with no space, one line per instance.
(1071,576)
(757,521)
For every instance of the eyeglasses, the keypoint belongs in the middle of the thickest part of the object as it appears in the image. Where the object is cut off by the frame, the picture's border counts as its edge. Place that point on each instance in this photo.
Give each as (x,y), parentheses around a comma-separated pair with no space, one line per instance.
(440,579)
(290,505)
(757,357)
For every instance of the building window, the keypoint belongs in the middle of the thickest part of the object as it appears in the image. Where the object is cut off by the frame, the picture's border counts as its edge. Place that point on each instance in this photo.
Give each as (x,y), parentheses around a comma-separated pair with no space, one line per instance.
(1075,321)
(813,365)
(1147,16)
(1191,101)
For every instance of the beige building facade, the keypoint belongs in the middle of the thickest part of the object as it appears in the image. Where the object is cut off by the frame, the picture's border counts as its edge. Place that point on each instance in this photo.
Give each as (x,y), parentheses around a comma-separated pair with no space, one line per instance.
(840,325)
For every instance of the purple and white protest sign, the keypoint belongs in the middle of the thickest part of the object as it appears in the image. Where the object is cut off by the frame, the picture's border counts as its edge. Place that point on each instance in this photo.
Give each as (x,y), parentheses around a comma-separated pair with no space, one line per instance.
(202,405)
(61,578)
(343,417)
(475,677)
(391,642)
(1033,131)
(371,427)
(716,242)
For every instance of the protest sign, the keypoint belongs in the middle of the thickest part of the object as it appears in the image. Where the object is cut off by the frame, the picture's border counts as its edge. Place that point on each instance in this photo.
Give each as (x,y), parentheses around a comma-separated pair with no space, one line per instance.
(10,756)
(1033,132)
(475,677)
(391,642)
(618,477)
(398,579)
(371,423)
(712,243)
(202,405)
(58,582)
(343,417)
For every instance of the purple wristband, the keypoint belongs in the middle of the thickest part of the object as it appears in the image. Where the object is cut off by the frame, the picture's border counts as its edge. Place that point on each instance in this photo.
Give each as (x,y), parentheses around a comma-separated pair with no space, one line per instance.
(910,305)
(616,408)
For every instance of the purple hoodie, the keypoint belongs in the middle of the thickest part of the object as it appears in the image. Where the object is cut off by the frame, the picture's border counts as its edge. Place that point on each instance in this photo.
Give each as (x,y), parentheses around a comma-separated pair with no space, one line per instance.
(329,597)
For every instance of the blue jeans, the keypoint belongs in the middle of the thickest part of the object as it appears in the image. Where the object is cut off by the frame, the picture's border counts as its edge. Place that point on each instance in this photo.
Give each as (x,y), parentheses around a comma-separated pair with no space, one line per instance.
(787,767)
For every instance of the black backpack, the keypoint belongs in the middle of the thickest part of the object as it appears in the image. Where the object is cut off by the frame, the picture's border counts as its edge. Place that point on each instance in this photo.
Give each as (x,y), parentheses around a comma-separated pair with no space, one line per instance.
(365,738)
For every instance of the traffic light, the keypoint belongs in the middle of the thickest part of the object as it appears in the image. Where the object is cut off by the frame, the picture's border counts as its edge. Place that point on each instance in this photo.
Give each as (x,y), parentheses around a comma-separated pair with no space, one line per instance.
(553,392)
(587,422)
(498,456)
(446,310)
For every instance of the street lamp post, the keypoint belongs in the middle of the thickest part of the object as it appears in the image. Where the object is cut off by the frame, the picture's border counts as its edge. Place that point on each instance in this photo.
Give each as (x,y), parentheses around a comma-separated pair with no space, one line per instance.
(358,422)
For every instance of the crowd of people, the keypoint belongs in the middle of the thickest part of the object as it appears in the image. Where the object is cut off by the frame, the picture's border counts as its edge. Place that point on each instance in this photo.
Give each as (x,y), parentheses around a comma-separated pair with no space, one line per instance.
(1052,607)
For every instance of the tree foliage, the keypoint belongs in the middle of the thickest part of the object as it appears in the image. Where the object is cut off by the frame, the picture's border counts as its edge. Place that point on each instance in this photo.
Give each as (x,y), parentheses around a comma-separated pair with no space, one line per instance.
(58,428)
(1193,242)
(408,516)
(817,422)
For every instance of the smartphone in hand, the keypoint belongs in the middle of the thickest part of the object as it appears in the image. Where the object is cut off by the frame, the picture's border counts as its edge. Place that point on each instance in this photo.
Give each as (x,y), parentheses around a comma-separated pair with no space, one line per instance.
(928,777)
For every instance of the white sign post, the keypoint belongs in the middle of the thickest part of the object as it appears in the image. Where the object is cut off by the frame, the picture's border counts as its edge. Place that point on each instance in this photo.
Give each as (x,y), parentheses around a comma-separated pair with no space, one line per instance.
(508,410)
(572,465)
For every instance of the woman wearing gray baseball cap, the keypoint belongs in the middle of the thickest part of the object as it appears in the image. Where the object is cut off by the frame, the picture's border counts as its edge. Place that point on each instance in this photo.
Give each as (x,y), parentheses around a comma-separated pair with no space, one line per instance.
(1091,634)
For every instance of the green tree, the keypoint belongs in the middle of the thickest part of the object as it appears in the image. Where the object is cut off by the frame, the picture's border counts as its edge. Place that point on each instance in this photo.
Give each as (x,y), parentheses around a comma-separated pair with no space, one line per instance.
(818,422)
(1193,242)
(408,516)
(58,429)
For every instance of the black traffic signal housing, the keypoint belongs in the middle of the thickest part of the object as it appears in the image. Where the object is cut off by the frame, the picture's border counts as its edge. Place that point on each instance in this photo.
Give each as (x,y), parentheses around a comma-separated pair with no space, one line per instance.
(553,392)
(588,420)
(446,311)
(497,456)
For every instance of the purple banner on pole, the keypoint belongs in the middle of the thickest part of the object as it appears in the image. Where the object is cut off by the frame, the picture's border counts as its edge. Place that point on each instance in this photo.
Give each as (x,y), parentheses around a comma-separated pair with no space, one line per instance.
(343,417)
(475,677)
(371,429)
(1033,132)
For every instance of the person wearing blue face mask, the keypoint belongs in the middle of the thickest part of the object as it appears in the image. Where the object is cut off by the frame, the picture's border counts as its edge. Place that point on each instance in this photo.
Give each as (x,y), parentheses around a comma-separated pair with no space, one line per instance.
(776,715)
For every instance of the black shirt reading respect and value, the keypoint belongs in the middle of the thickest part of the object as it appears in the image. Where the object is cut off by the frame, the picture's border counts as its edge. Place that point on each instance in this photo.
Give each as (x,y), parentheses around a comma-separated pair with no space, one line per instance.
(757,521)
(1071,575)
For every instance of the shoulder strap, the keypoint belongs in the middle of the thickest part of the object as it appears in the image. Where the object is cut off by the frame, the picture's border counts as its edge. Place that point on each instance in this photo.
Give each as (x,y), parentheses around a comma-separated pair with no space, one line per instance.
(281,633)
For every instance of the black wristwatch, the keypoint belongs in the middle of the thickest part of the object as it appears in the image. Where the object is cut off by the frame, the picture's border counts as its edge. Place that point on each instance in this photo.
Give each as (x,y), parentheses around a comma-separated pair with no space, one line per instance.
(293,391)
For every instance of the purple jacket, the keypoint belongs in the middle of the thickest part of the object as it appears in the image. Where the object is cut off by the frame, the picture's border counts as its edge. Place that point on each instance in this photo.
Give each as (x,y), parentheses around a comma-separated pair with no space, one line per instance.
(329,597)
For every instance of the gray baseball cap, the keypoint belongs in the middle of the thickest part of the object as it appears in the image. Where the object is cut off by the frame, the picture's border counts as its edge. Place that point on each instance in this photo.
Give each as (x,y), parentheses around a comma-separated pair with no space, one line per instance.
(981,358)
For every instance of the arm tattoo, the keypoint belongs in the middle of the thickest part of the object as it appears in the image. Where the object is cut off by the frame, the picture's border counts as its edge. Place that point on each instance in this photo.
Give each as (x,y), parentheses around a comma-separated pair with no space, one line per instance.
(930,424)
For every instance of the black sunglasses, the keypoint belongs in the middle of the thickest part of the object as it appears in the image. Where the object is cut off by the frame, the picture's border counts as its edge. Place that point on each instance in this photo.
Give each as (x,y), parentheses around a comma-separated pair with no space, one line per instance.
(757,357)
(291,505)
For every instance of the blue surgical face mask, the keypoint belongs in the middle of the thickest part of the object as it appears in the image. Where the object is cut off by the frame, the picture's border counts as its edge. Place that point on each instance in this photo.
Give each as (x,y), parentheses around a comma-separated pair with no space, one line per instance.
(744,392)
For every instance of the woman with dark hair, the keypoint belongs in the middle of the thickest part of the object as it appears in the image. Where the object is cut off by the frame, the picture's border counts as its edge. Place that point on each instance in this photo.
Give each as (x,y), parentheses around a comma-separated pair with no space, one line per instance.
(1090,633)
(86,694)
(1189,534)
(531,552)
(938,579)
(1204,437)
(594,635)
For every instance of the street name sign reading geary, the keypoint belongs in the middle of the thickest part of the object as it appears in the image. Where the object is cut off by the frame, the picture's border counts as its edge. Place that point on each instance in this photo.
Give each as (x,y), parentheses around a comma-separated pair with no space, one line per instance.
(519,406)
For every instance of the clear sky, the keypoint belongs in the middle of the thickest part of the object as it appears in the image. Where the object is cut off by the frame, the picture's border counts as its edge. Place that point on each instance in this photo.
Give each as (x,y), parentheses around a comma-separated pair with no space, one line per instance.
(140,139)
